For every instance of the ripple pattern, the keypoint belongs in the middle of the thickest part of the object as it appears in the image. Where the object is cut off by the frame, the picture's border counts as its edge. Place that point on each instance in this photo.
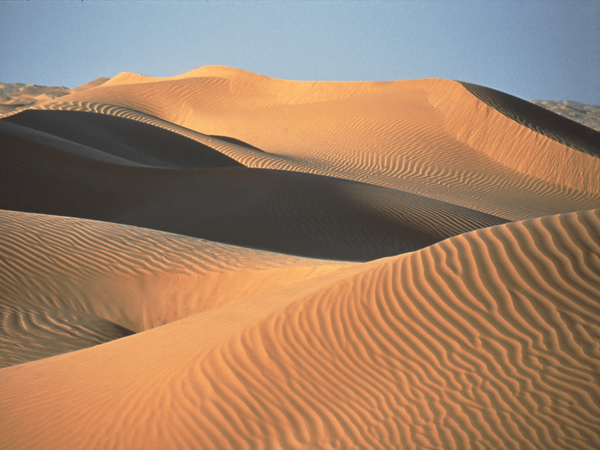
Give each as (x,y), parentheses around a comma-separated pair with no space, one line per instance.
(486,340)
(425,137)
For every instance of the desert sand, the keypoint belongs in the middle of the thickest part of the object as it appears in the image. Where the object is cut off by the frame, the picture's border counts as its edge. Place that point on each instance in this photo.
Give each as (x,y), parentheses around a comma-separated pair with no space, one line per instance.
(222,260)
(588,115)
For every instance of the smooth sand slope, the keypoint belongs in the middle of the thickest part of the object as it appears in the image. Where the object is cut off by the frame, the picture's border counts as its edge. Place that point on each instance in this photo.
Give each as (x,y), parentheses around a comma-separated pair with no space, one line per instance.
(486,340)
(223,260)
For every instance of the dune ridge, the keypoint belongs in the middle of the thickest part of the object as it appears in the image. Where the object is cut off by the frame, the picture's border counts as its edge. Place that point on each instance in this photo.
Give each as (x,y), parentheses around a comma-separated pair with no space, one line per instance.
(554,126)
(137,143)
(405,135)
(480,341)
(551,141)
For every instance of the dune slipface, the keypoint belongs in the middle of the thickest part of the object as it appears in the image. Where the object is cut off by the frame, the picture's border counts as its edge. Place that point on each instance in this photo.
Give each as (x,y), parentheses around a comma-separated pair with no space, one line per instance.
(225,260)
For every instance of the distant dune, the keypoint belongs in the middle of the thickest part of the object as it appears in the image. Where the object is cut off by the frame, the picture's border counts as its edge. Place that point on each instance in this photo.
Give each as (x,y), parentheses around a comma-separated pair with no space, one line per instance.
(225,260)
(588,115)
(15,97)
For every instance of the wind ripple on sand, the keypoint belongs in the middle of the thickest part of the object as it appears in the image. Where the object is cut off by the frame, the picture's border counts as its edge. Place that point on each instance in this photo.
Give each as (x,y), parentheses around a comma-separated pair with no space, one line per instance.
(135,277)
(29,334)
(486,340)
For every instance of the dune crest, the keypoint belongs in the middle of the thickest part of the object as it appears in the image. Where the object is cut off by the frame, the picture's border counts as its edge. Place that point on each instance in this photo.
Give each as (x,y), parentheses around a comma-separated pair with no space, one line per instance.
(418,136)
(540,153)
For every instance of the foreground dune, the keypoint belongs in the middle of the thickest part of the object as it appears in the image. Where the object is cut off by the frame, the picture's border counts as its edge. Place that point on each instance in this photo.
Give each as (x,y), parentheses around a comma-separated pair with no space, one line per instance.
(225,260)
(486,340)
(125,278)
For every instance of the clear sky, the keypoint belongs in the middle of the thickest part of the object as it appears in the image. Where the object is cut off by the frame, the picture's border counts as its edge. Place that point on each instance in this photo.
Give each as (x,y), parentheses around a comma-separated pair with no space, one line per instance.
(533,49)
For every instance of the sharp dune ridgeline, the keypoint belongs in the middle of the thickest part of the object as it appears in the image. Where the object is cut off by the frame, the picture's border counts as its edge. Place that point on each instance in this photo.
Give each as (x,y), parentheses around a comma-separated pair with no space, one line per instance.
(222,260)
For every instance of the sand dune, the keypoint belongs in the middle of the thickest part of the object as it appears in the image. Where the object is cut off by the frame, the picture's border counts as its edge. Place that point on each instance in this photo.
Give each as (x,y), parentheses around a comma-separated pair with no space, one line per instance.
(30,332)
(287,212)
(137,143)
(567,132)
(419,136)
(77,277)
(15,97)
(487,340)
(226,260)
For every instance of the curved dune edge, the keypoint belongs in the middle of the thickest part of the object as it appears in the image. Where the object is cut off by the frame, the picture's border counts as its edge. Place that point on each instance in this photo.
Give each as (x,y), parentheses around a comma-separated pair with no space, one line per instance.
(114,139)
(485,128)
(389,134)
(280,211)
(486,340)
(548,123)
(29,333)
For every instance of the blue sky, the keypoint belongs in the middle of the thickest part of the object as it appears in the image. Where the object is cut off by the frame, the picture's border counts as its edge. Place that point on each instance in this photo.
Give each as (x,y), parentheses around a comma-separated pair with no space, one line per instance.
(533,49)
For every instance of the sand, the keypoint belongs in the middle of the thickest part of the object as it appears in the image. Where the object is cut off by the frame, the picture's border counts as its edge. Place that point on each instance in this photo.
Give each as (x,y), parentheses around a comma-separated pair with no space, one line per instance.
(225,260)
(588,115)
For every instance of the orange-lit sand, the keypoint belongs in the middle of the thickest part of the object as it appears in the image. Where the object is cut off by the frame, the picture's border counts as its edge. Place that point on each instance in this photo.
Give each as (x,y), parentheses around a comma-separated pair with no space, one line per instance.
(223,260)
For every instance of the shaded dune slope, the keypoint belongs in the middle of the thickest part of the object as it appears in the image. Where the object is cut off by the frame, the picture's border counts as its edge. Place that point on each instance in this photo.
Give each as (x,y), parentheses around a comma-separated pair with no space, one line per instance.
(122,138)
(540,120)
(428,137)
(485,340)
(29,333)
(287,212)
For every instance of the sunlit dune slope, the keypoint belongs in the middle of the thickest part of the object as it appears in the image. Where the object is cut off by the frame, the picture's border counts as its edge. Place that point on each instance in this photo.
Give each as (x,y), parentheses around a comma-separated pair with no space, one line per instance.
(280,211)
(69,283)
(485,340)
(429,137)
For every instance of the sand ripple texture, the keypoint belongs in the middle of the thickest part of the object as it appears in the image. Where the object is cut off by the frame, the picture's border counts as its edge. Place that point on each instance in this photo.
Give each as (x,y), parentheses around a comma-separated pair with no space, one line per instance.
(221,260)
(135,277)
(486,340)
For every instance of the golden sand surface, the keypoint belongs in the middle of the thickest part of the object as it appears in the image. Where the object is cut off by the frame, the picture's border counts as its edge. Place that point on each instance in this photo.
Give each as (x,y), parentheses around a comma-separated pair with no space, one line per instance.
(222,260)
